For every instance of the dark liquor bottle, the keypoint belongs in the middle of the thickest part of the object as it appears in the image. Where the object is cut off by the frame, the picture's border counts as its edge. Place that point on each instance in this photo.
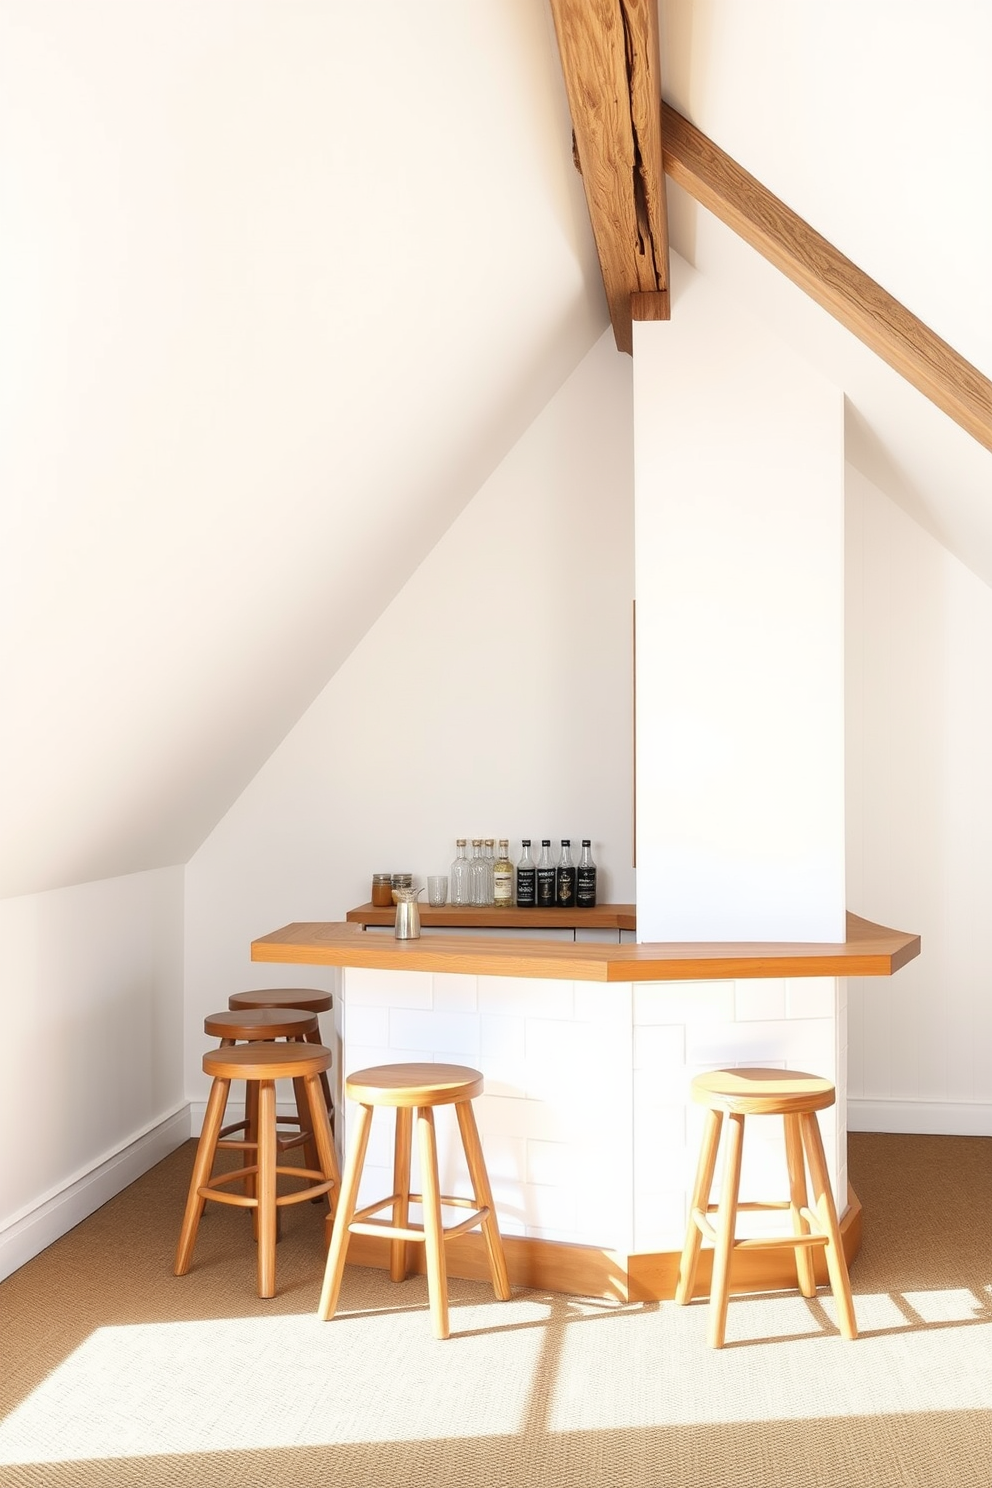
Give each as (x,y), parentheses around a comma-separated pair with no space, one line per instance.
(545,877)
(526,878)
(565,877)
(585,878)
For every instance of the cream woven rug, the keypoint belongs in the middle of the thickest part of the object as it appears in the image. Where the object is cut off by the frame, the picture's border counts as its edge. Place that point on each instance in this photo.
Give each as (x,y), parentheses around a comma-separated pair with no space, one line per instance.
(114,1372)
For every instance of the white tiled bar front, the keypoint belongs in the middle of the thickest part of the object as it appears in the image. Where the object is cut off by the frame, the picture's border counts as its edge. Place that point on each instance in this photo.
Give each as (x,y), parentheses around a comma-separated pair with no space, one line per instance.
(587,1126)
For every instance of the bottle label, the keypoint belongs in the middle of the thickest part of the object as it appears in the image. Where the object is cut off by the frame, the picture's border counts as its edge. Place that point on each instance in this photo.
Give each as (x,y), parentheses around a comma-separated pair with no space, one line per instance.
(565,887)
(526,888)
(546,888)
(503,888)
(585,887)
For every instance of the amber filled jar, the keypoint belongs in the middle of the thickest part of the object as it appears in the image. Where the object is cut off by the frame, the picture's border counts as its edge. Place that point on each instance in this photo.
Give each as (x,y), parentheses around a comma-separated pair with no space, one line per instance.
(382,890)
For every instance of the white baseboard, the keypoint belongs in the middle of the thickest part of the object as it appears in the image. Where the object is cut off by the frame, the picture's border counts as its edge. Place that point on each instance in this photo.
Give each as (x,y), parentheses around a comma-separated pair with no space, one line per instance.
(33,1229)
(924,1118)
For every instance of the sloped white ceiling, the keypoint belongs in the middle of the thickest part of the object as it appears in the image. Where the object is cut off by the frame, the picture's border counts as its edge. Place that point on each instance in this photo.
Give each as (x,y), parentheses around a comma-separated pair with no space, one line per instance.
(282,282)
(281,285)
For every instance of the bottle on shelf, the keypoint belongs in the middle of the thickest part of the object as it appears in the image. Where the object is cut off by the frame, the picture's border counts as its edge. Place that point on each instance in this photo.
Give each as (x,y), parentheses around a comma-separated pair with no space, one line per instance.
(545,877)
(478,876)
(526,895)
(503,877)
(585,878)
(565,877)
(489,858)
(459,891)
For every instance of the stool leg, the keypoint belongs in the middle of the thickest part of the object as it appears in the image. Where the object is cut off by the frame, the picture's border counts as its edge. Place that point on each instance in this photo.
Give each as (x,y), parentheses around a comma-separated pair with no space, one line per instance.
(726,1228)
(840,1281)
(325,1084)
(266,1194)
(402,1152)
(250,1155)
(202,1166)
(310,1154)
(437,1280)
(327,1158)
(483,1194)
(345,1213)
(798,1201)
(705,1169)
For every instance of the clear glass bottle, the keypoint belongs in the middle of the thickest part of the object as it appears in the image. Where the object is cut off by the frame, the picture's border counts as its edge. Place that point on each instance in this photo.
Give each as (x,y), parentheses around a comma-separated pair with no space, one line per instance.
(545,877)
(565,877)
(585,878)
(503,877)
(477,876)
(458,876)
(489,858)
(526,895)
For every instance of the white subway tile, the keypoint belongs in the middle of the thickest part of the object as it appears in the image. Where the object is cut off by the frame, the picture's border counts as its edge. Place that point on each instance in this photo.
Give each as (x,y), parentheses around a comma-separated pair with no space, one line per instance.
(659,1047)
(455,992)
(761,999)
(554,1164)
(604,1005)
(439,1034)
(366,1025)
(683,1002)
(388,988)
(530,997)
(810,997)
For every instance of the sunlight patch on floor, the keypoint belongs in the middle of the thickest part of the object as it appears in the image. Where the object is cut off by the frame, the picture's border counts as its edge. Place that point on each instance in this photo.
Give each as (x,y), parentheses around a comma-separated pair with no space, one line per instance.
(229,1384)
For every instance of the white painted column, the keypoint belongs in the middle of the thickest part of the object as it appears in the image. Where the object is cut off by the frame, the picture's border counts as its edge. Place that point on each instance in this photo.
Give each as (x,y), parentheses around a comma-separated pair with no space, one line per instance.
(739,551)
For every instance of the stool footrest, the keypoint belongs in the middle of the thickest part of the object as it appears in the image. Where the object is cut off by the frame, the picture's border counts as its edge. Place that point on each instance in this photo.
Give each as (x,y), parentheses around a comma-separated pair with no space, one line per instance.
(212,1189)
(763,1242)
(415,1233)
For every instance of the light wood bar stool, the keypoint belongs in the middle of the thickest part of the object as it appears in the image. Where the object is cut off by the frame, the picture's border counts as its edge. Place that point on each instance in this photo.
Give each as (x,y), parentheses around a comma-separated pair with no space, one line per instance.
(307,999)
(796,1097)
(255,1025)
(263,1064)
(409,1088)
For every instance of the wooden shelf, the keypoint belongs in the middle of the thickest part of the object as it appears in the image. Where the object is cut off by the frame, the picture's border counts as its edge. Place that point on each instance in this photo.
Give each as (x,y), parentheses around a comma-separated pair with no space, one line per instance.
(869,950)
(602,917)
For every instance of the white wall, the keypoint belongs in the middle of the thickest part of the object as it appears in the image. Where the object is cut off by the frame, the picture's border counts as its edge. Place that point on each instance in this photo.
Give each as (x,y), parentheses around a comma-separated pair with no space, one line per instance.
(92,1092)
(492,697)
(739,513)
(920,821)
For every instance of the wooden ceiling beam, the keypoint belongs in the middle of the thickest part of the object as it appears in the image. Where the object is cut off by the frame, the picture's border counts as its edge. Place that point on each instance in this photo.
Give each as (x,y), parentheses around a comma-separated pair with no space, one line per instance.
(718,183)
(609,57)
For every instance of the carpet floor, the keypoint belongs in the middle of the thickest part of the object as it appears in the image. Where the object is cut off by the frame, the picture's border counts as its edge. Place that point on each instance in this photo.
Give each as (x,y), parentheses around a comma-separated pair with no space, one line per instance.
(114,1372)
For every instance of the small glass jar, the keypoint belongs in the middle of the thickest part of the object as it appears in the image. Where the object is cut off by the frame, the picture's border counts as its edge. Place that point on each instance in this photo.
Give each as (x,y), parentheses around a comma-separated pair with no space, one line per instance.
(382,890)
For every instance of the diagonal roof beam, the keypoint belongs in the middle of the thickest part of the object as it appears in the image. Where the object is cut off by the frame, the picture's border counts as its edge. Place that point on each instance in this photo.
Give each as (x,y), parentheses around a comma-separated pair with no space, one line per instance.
(718,183)
(609,58)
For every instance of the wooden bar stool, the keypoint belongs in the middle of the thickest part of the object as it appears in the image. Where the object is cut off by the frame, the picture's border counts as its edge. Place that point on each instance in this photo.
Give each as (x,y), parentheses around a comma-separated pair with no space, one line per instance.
(409,1088)
(796,1097)
(262,1064)
(309,999)
(255,1025)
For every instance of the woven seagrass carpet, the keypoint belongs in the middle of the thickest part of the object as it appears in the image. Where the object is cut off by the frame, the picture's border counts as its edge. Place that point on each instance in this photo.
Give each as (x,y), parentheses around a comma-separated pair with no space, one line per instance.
(114,1372)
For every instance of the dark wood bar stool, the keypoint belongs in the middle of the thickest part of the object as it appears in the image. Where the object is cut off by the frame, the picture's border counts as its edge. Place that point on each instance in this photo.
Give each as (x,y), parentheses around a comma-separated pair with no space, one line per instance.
(261,1064)
(307,999)
(796,1097)
(255,1025)
(409,1088)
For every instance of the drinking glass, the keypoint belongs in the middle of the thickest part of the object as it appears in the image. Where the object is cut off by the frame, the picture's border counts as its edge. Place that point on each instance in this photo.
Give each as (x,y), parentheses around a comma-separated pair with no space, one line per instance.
(437,890)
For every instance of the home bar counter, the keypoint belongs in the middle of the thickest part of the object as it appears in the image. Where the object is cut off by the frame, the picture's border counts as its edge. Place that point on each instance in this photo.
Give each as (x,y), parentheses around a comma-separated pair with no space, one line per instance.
(587,1051)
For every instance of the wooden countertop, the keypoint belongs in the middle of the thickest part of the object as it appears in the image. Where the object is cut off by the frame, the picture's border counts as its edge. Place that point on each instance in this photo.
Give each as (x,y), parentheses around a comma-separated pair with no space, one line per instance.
(869,950)
(601,917)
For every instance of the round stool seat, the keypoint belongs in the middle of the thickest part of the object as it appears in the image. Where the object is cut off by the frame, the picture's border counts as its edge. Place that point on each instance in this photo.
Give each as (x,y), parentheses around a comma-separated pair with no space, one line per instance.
(730,1096)
(310,998)
(414,1085)
(762,1092)
(267,1061)
(252,1024)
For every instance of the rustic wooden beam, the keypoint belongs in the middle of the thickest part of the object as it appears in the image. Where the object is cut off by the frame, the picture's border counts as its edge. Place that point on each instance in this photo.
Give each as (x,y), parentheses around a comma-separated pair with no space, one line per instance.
(718,183)
(609,57)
